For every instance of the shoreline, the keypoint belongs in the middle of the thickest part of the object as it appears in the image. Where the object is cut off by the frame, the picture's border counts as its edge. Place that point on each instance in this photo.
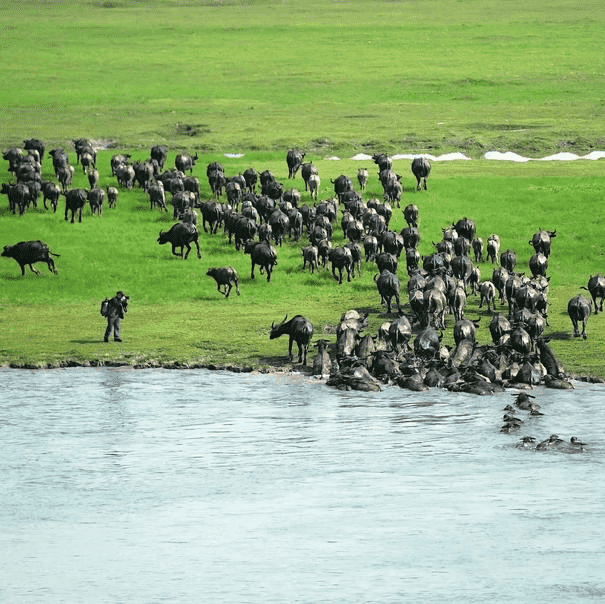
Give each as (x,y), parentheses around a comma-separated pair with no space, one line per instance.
(179,365)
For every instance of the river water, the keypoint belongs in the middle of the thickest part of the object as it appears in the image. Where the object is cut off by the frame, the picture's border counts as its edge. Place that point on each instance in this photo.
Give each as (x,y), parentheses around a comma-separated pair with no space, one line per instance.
(133,486)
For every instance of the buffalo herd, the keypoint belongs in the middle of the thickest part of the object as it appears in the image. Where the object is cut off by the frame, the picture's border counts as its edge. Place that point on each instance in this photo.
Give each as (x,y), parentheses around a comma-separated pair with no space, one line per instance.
(407,349)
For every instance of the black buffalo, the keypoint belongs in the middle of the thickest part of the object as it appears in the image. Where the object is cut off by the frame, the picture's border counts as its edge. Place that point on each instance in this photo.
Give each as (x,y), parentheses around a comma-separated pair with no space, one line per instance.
(493,247)
(341,258)
(579,309)
(294,159)
(184,162)
(541,241)
(159,153)
(28,253)
(75,200)
(421,168)
(182,235)
(262,254)
(300,330)
(410,213)
(596,287)
(388,288)
(226,277)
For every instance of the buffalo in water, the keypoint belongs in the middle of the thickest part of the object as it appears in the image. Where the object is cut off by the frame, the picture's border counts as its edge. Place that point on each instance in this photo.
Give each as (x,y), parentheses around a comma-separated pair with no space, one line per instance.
(579,309)
(421,168)
(300,330)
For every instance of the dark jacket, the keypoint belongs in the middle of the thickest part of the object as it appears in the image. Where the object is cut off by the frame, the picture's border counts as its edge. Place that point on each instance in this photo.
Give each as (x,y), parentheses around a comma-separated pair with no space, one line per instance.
(117,308)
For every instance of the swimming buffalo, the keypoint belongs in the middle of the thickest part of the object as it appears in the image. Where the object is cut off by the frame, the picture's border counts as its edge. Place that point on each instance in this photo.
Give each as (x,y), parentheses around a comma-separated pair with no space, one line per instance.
(28,253)
(300,330)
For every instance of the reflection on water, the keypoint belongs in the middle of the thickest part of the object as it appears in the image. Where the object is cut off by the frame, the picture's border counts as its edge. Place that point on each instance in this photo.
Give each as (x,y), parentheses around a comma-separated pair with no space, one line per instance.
(148,486)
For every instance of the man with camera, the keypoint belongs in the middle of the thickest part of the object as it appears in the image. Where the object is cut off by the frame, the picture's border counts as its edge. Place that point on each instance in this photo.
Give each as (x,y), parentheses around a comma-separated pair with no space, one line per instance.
(117,307)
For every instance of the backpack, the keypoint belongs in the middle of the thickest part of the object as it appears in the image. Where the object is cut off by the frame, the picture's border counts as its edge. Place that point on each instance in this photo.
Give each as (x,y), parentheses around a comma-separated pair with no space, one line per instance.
(105,307)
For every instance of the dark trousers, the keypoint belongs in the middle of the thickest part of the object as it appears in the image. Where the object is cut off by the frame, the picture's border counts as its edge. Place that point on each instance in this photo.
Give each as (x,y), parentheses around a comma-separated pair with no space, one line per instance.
(113,324)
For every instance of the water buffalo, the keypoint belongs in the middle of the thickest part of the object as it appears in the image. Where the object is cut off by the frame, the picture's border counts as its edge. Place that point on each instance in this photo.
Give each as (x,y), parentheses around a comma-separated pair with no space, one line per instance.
(362,178)
(262,254)
(341,258)
(75,200)
(411,237)
(341,185)
(182,235)
(400,333)
(499,326)
(382,160)
(596,287)
(310,256)
(51,192)
(306,171)
(477,245)
(487,291)
(95,199)
(435,306)
(211,214)
(294,159)
(322,365)
(541,241)
(412,258)
(159,153)
(184,162)
(300,330)
(226,277)
(157,197)
(18,196)
(538,264)
(388,288)
(465,227)
(508,260)
(410,214)
(579,309)
(28,253)
(313,185)
(421,168)
(427,343)
(493,248)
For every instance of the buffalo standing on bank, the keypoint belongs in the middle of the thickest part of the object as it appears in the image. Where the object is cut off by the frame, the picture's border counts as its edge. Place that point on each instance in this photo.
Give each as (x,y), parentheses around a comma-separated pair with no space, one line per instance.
(299,330)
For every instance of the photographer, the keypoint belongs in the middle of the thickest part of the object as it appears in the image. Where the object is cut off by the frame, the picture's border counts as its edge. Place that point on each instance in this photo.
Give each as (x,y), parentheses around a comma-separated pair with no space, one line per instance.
(117,307)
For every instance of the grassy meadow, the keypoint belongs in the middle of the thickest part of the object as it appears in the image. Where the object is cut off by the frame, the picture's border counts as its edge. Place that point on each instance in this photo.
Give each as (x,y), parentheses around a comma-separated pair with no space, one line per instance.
(332,78)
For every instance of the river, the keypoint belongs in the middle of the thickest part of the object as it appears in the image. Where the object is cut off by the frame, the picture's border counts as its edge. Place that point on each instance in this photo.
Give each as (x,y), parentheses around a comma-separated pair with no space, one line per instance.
(130,486)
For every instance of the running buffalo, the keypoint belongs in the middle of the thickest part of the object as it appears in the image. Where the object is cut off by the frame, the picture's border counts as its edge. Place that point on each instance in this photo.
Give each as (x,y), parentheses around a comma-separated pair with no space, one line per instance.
(181,234)
(300,330)
(226,277)
(28,253)
(421,168)
(579,309)
(294,160)
(596,287)
(388,288)
(263,254)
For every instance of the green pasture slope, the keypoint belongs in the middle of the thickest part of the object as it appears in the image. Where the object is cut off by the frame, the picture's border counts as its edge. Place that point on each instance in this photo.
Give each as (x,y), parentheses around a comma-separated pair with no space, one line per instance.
(333,78)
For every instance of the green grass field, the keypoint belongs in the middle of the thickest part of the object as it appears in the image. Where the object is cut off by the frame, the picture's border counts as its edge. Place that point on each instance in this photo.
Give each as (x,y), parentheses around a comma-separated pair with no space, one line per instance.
(262,77)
